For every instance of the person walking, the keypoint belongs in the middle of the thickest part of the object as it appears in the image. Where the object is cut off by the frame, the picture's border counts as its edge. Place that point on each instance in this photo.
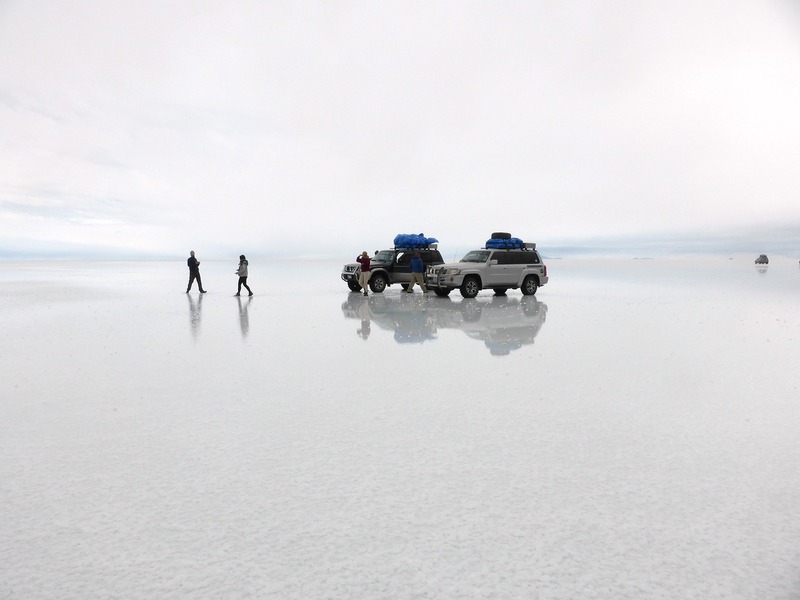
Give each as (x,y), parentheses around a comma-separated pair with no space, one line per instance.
(363,275)
(417,273)
(194,273)
(242,273)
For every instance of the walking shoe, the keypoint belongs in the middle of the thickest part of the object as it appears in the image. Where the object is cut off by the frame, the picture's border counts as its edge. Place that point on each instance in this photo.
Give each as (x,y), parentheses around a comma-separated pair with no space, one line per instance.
(203,291)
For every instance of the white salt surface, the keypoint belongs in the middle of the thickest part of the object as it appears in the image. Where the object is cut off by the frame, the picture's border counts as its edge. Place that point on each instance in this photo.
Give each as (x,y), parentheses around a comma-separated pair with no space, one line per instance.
(631,432)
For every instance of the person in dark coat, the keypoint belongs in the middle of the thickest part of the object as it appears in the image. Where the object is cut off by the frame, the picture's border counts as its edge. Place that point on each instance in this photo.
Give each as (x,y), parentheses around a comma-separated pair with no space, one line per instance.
(363,275)
(194,273)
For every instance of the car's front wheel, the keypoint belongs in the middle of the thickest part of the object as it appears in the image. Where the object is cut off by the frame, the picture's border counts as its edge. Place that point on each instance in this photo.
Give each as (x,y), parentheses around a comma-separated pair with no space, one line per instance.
(470,287)
(530,285)
(378,283)
(354,287)
(442,292)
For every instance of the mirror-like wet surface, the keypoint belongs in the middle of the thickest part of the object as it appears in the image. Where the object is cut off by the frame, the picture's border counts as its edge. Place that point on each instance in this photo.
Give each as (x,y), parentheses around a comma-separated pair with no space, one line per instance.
(628,432)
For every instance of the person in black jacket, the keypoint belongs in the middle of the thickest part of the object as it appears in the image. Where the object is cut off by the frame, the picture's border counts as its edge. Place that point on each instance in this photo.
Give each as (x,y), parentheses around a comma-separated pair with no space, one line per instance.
(194,273)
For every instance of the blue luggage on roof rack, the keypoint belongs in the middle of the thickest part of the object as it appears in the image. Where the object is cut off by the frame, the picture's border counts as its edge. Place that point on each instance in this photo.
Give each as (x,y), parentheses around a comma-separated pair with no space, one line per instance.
(504,243)
(413,240)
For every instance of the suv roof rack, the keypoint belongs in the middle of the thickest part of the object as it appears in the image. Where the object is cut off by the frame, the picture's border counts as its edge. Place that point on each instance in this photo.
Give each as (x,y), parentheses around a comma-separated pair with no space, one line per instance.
(428,247)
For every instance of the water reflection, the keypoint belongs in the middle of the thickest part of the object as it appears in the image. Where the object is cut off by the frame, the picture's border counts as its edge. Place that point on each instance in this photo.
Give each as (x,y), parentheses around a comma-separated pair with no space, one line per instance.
(244,318)
(195,306)
(502,323)
(363,313)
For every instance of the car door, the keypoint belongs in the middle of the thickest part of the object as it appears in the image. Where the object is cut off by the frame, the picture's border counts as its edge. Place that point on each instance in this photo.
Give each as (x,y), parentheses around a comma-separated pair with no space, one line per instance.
(529,262)
(497,269)
(401,273)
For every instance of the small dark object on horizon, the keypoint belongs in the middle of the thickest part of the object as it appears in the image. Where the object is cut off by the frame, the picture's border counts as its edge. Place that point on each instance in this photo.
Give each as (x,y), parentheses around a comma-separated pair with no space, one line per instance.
(762,260)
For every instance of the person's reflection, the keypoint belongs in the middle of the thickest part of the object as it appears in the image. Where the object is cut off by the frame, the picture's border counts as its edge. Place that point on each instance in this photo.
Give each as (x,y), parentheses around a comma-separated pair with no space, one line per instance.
(244,319)
(365,315)
(195,304)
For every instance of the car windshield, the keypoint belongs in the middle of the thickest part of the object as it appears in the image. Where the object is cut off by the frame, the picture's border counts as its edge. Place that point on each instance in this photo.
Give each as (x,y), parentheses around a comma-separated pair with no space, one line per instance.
(476,256)
(384,256)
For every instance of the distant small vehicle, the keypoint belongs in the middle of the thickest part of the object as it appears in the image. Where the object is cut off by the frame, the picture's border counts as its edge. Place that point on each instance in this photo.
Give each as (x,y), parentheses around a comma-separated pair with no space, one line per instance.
(762,260)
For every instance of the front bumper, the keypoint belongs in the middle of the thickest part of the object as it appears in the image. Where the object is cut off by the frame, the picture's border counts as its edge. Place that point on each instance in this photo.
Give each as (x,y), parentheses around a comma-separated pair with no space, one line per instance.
(443,282)
(349,273)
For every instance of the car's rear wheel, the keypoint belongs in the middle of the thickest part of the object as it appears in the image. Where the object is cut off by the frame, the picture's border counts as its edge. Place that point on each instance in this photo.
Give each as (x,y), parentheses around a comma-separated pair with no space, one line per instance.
(530,285)
(470,287)
(354,287)
(378,283)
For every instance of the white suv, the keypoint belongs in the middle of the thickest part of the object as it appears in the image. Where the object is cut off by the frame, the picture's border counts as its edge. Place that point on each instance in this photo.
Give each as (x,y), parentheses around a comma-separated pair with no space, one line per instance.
(498,269)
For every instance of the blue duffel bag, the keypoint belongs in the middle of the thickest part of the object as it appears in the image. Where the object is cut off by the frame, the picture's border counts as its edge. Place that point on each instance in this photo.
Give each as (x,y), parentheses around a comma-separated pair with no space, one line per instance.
(413,240)
(504,243)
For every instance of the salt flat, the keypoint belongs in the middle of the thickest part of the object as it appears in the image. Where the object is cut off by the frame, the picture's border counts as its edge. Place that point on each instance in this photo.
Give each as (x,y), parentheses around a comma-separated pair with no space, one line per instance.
(630,432)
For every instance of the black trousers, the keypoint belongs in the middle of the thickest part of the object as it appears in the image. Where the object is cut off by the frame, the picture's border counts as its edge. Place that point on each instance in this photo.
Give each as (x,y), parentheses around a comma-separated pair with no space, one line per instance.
(243,282)
(192,277)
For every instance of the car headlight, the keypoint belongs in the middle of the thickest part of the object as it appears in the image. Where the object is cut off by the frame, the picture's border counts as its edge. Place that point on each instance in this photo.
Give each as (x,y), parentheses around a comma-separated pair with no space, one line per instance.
(454,271)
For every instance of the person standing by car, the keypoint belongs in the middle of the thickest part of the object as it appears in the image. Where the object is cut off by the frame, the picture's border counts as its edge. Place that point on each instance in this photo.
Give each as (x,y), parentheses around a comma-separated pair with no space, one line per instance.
(194,273)
(363,275)
(417,273)
(242,273)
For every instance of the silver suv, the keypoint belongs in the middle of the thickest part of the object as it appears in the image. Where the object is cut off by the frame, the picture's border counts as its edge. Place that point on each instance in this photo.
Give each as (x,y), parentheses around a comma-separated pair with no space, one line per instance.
(498,269)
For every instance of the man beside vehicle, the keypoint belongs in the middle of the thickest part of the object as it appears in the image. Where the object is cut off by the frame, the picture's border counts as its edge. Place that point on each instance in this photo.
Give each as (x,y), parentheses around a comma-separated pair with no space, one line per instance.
(363,275)
(417,273)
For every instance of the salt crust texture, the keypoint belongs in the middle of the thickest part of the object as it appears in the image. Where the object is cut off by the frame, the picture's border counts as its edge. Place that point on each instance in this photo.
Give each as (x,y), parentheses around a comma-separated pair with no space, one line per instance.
(631,432)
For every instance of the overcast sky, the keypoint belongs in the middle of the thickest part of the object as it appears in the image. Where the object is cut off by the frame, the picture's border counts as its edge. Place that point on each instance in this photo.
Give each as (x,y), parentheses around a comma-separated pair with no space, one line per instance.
(153,127)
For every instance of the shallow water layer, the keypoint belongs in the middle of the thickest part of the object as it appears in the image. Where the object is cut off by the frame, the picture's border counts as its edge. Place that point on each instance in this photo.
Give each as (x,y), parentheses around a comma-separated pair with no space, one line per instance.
(630,431)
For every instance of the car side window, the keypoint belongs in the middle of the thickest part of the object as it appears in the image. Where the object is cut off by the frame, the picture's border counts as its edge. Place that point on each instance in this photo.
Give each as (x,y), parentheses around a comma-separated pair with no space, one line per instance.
(404,258)
(516,258)
(503,258)
(526,258)
(521,258)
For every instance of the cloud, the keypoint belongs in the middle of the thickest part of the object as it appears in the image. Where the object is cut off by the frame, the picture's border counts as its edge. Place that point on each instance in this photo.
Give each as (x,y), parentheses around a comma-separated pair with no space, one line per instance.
(251,123)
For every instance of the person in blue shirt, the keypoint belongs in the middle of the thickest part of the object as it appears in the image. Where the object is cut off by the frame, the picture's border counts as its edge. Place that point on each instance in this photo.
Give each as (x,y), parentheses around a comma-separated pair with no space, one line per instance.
(417,273)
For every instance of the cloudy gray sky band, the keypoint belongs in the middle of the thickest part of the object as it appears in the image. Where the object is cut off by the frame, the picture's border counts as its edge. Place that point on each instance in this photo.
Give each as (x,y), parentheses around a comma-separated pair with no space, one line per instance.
(149,128)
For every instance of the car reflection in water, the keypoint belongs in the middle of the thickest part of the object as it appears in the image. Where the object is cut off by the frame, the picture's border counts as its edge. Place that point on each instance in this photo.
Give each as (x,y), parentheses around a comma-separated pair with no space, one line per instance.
(502,323)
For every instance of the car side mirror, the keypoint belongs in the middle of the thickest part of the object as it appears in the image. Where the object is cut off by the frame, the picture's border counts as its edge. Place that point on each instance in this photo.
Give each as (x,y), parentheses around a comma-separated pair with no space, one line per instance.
(493,261)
